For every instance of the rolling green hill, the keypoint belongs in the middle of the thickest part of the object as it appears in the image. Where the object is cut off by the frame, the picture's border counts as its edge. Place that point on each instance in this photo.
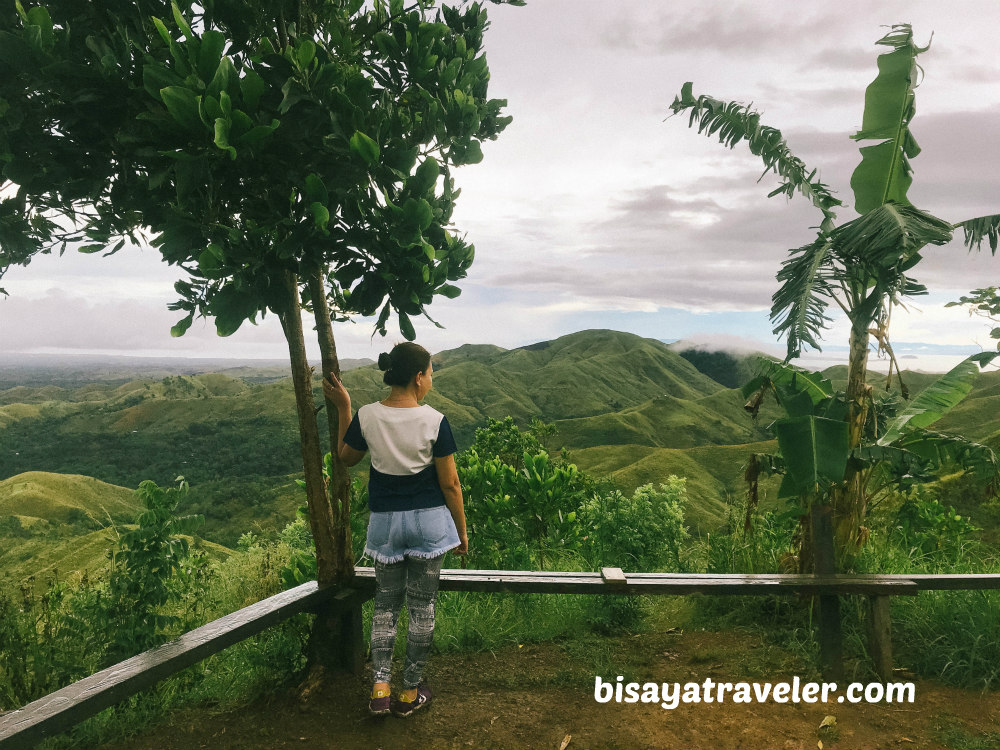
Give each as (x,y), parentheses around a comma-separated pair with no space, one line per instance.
(58,525)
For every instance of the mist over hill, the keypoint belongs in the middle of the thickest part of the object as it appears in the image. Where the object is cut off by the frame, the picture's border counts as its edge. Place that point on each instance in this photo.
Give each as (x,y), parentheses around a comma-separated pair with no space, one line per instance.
(75,370)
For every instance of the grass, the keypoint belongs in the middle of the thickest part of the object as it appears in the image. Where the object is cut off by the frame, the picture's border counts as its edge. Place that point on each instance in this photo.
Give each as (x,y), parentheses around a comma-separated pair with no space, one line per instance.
(954,735)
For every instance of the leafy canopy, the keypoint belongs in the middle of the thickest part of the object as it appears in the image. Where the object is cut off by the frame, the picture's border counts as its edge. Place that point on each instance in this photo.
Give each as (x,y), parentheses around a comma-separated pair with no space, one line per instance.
(245,140)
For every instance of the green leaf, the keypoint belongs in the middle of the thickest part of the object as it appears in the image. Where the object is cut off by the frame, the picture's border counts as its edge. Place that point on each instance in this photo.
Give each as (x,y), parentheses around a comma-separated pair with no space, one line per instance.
(938,398)
(364,147)
(224,75)
(798,308)
(305,52)
(156,77)
(425,178)
(257,135)
(418,213)
(182,326)
(979,229)
(815,451)
(320,214)
(183,105)
(947,451)
(211,262)
(788,381)
(39,17)
(253,88)
(888,235)
(315,188)
(473,153)
(884,173)
(449,291)
(406,327)
(181,22)
(210,53)
(222,136)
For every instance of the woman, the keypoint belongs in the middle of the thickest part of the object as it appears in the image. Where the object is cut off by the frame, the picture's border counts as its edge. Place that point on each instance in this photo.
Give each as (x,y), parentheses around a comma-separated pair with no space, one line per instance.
(417,512)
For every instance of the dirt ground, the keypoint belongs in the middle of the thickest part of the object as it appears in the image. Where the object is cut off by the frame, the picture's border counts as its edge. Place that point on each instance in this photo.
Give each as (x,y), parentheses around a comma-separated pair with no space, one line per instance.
(542,696)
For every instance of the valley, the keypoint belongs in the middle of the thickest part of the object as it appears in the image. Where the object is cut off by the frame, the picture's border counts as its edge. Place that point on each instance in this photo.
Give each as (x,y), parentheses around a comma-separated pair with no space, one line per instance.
(76,440)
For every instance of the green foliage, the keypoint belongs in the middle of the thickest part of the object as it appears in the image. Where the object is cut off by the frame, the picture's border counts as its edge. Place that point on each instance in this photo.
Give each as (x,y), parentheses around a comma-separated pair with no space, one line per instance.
(502,439)
(979,229)
(896,449)
(924,524)
(984,302)
(643,532)
(145,561)
(766,547)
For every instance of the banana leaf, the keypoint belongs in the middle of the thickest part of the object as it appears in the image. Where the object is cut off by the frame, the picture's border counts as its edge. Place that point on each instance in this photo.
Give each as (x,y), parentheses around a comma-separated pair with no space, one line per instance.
(815,451)
(979,229)
(884,173)
(937,399)
(734,122)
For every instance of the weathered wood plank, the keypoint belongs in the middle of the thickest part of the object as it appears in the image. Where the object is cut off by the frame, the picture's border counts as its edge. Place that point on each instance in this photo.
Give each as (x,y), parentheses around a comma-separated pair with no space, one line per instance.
(62,709)
(455,579)
(614,577)
(956,581)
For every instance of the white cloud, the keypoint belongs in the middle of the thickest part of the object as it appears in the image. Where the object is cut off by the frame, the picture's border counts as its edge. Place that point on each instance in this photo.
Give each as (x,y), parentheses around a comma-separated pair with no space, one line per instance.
(591,207)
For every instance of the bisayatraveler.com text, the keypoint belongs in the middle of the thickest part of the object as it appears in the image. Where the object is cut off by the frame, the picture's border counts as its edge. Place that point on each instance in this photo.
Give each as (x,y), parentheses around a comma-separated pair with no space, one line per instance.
(672,694)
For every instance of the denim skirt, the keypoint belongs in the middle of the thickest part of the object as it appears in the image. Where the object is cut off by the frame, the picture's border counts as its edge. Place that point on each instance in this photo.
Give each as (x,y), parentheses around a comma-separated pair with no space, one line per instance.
(424,532)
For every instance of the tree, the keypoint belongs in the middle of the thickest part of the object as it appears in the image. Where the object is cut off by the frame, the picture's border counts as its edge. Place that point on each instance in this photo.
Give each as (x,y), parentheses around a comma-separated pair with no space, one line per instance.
(284,155)
(861,265)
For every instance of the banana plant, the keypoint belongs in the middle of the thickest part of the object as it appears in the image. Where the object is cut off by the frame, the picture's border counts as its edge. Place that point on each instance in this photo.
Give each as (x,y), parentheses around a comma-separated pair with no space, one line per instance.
(862,265)
(815,454)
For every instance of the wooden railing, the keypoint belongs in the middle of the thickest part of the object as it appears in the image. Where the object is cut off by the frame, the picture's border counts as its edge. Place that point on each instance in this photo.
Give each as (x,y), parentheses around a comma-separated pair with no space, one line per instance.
(59,711)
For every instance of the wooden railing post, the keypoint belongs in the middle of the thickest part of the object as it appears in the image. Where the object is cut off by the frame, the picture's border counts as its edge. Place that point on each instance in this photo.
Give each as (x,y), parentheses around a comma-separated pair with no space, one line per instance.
(831,646)
(880,635)
(343,625)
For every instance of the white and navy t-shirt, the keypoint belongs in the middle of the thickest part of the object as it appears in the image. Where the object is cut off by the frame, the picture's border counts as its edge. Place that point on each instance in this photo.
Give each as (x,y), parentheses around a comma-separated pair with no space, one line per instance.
(403,444)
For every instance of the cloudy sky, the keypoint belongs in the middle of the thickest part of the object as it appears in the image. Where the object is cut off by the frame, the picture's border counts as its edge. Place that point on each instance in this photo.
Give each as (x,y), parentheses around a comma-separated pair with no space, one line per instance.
(596,210)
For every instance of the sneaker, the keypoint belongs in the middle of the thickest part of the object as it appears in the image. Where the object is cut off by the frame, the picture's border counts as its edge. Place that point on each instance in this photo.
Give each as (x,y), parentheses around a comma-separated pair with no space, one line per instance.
(379,703)
(405,708)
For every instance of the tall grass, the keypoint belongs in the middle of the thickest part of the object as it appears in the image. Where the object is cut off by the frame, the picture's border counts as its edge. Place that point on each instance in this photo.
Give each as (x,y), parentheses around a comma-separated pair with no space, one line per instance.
(231,678)
(953,636)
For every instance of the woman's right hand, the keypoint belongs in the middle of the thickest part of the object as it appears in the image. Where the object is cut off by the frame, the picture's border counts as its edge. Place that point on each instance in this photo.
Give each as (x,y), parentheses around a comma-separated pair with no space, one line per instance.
(335,392)
(463,548)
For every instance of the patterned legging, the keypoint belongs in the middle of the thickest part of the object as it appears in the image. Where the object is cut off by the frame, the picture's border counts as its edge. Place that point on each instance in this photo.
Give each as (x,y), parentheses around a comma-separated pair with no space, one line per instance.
(415,579)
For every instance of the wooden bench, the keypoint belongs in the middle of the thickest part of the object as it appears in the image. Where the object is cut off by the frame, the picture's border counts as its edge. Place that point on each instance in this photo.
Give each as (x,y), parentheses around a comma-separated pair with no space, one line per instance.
(60,710)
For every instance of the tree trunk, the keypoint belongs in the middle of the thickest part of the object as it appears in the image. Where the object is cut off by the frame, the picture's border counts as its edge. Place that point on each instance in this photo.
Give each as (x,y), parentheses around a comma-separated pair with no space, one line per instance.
(339,487)
(850,503)
(321,519)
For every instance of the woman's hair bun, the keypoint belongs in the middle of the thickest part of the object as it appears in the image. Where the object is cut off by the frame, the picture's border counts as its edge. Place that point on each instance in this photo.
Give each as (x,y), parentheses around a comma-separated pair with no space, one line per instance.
(384,361)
